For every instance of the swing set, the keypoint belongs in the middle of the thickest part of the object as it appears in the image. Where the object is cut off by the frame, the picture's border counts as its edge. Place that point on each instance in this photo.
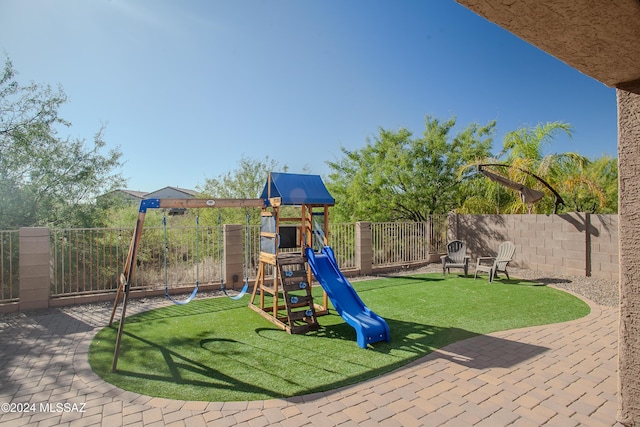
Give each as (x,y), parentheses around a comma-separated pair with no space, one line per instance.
(124,287)
(285,298)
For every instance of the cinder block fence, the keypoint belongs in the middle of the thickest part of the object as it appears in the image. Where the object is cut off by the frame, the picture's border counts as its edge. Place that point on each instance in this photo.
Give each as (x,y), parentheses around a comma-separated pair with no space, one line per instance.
(578,244)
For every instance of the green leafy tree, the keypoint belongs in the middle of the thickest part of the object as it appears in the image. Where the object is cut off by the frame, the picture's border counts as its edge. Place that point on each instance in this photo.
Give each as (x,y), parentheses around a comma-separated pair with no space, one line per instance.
(246,181)
(604,170)
(524,151)
(46,179)
(582,185)
(572,175)
(591,186)
(397,176)
(483,195)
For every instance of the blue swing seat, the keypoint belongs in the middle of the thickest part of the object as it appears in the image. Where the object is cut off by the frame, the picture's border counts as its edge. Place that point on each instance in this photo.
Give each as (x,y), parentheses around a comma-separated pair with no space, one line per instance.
(241,294)
(184,301)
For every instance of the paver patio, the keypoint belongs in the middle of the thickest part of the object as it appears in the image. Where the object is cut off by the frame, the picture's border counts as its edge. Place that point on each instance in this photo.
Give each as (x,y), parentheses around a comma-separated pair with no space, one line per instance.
(555,375)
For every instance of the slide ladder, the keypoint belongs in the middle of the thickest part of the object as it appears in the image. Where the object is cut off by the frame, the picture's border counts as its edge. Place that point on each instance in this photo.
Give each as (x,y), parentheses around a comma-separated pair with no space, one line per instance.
(301,313)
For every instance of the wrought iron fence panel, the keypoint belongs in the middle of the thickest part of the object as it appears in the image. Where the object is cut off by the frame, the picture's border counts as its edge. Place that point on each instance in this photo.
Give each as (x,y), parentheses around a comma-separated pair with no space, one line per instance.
(91,260)
(342,238)
(87,260)
(399,242)
(9,258)
(438,233)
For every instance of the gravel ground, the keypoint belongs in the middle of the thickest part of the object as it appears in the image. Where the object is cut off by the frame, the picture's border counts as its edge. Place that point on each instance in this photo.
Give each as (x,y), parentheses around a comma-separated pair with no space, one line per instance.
(601,291)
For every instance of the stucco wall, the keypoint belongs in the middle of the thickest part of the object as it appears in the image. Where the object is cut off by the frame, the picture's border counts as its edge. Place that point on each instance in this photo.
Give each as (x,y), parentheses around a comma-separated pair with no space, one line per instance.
(570,244)
(629,210)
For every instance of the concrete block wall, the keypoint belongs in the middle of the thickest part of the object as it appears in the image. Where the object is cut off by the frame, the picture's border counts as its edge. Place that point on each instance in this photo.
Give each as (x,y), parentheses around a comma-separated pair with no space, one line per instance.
(34,268)
(233,256)
(604,247)
(364,247)
(570,244)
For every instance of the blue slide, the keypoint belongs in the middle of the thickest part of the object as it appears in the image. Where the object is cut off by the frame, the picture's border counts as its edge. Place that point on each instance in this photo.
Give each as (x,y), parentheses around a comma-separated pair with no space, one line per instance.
(369,326)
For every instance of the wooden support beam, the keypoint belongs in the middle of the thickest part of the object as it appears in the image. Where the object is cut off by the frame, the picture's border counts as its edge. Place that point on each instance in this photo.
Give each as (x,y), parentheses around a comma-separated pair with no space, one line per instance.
(210,203)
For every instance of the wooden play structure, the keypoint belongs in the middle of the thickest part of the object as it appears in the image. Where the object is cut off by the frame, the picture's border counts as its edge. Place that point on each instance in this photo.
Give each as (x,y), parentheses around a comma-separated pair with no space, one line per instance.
(283,288)
(283,284)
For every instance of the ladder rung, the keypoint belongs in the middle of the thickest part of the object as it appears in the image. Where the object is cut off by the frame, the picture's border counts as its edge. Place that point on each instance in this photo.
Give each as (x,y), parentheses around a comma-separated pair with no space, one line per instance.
(299,315)
(293,274)
(300,285)
(302,300)
(288,259)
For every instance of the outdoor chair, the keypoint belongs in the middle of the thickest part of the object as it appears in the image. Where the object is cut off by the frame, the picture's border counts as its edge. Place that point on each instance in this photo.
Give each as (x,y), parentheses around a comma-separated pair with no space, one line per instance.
(493,265)
(456,257)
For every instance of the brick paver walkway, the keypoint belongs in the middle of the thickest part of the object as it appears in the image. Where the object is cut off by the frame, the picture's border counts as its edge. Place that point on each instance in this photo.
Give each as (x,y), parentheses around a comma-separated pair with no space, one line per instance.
(556,375)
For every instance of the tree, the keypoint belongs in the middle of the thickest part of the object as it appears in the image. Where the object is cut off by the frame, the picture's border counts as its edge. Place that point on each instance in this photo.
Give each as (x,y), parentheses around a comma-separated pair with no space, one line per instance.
(46,179)
(570,174)
(574,180)
(483,195)
(398,177)
(524,151)
(245,182)
(590,186)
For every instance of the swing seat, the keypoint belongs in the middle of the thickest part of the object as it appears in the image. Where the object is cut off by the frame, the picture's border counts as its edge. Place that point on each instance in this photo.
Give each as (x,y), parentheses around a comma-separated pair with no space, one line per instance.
(240,295)
(184,301)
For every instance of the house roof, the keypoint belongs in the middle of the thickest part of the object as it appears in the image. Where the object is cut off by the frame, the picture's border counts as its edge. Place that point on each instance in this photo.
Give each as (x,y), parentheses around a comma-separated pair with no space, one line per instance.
(138,194)
(124,192)
(297,189)
(176,190)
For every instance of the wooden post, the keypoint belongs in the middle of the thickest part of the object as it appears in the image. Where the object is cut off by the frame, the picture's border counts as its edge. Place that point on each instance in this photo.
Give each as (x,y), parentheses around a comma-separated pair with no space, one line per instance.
(124,282)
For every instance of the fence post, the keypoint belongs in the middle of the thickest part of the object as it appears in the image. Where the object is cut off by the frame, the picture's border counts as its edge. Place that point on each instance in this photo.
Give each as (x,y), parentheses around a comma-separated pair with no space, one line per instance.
(34,268)
(587,238)
(452,227)
(364,247)
(233,259)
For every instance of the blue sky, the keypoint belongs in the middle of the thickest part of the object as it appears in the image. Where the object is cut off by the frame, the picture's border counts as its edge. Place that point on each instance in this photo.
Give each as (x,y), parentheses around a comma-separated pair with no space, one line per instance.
(185,88)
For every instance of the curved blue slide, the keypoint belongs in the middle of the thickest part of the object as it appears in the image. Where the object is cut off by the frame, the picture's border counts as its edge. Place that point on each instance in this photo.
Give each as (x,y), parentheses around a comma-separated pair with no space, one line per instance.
(370,327)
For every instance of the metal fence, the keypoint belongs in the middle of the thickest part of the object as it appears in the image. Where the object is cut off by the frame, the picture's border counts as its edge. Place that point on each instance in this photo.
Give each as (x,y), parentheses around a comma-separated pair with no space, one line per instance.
(9,255)
(87,259)
(399,242)
(437,226)
(91,260)
(342,238)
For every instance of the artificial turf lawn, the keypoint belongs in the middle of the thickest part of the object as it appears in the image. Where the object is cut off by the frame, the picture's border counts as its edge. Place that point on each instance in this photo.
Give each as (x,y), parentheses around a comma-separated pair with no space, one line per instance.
(220,350)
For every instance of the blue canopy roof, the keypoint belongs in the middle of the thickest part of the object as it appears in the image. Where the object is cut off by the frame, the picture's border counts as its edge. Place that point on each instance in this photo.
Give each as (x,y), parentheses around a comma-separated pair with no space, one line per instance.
(298,189)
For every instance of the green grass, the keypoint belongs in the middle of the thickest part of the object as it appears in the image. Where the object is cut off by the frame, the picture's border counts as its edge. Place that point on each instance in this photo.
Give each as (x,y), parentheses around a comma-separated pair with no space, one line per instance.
(220,350)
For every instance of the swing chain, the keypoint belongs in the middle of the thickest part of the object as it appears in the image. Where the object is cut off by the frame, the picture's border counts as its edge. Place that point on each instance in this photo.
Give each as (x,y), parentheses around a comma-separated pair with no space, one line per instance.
(197,248)
(166,269)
